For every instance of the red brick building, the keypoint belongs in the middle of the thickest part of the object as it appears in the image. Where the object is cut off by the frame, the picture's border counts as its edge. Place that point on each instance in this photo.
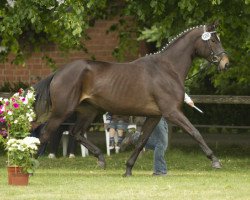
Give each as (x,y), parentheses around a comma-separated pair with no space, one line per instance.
(101,45)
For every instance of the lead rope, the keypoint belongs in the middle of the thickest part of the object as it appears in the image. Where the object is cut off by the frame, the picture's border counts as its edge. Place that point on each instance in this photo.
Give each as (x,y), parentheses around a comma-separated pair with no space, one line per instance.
(201,70)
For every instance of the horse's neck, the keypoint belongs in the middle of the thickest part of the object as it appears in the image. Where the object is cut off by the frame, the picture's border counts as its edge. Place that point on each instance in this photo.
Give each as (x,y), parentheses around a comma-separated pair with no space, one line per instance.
(180,55)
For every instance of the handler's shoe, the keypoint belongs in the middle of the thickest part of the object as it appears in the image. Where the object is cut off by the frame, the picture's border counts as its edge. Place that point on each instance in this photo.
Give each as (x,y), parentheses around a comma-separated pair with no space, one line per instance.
(159,174)
(117,149)
(51,156)
(71,155)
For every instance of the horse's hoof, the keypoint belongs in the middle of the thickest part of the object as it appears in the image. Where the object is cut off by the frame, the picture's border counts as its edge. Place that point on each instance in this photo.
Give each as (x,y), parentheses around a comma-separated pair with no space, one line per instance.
(216,165)
(127,175)
(102,164)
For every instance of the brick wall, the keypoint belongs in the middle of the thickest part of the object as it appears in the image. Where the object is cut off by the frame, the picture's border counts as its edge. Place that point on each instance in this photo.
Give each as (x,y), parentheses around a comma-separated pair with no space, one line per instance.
(100,45)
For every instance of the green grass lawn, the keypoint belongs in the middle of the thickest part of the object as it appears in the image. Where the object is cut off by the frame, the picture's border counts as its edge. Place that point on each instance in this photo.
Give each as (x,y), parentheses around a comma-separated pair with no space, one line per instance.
(189,177)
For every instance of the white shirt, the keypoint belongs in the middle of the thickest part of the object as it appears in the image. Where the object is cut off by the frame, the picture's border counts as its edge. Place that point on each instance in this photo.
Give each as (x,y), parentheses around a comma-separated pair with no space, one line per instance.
(187,99)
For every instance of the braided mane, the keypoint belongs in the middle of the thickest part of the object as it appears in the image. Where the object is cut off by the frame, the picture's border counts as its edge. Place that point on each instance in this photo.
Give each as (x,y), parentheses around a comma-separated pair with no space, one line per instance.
(175,39)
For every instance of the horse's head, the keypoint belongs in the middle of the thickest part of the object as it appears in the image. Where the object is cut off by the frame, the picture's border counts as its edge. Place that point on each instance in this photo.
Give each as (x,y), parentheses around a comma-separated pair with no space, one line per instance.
(210,47)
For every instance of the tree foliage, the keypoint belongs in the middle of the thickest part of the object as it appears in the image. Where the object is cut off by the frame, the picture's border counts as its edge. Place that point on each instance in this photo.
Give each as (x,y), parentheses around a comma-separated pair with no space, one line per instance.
(159,20)
(33,23)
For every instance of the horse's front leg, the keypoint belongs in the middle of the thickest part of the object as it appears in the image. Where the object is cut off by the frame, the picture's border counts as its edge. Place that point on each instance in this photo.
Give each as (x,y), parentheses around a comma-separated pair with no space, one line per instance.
(178,118)
(91,147)
(147,129)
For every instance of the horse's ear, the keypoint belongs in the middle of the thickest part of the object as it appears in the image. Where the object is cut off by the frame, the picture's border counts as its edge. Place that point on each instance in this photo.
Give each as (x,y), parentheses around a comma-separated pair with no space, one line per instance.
(216,24)
(213,26)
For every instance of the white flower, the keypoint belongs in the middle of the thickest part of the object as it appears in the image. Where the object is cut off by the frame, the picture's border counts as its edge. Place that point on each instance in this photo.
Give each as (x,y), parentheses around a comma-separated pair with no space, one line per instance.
(10,112)
(31,140)
(33,147)
(25,102)
(5,100)
(12,145)
(29,95)
(10,149)
(30,119)
(11,141)
(15,121)
(20,148)
(16,94)
(27,144)
(1,98)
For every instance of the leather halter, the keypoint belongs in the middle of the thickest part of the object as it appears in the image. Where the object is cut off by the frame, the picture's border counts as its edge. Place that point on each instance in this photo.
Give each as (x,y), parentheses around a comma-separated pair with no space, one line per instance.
(213,57)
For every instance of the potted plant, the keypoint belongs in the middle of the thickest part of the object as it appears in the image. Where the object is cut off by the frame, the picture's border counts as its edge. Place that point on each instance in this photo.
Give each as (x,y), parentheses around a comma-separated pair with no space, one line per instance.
(17,114)
(21,161)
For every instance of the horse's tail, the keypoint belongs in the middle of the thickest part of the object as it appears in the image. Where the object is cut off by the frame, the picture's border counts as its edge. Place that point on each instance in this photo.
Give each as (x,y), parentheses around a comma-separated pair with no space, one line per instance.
(43,101)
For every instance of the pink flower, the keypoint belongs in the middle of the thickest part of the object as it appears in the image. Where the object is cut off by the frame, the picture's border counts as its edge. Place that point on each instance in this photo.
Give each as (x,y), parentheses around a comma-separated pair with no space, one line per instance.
(16,105)
(2,120)
(1,109)
(13,99)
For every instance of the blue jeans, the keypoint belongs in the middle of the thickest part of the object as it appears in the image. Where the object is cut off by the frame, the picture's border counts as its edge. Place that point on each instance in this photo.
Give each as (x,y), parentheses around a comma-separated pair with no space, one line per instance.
(158,141)
(118,125)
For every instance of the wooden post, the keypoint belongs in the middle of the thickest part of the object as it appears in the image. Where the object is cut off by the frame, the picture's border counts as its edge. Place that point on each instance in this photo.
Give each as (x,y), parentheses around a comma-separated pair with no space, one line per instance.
(221,99)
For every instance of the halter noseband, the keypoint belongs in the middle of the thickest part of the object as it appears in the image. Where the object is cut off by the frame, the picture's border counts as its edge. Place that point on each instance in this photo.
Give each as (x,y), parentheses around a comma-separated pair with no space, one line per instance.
(206,36)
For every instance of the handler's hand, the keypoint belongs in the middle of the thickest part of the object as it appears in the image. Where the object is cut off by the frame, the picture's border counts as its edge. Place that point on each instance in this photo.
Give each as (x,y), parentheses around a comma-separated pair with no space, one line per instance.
(191,103)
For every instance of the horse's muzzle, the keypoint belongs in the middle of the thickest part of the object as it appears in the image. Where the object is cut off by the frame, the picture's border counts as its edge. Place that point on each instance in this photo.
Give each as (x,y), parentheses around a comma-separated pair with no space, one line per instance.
(227,66)
(224,62)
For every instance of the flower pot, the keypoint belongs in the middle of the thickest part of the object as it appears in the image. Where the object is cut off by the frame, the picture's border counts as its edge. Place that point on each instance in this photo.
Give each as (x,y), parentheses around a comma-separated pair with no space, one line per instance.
(17,177)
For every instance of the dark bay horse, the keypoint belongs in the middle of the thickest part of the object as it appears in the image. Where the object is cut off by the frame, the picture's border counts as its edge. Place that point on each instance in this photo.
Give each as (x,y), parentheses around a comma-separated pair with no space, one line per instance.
(151,86)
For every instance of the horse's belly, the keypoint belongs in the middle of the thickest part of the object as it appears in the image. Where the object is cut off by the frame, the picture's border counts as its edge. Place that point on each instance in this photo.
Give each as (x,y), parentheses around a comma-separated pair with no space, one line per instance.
(127,107)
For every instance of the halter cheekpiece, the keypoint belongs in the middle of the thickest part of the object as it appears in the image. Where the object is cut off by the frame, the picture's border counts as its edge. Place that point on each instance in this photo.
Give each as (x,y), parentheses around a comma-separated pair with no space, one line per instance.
(206,36)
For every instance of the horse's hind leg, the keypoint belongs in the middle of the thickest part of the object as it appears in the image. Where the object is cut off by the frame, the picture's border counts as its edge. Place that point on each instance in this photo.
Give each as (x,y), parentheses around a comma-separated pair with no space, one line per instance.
(178,118)
(85,117)
(147,129)
(63,106)
(51,127)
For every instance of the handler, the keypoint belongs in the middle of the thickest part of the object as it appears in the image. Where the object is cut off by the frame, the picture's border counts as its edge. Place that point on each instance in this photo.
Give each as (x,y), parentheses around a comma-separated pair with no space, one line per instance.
(158,141)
